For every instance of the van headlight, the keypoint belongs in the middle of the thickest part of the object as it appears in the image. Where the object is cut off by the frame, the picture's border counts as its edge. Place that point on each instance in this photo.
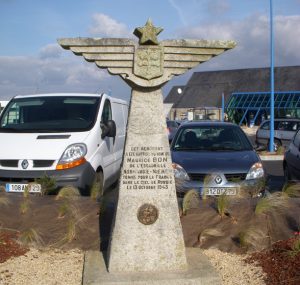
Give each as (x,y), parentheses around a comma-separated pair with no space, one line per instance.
(72,156)
(256,171)
(179,172)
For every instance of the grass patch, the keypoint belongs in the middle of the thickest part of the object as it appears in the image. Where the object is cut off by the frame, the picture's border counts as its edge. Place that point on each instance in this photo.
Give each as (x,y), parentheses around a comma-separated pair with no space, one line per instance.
(68,192)
(223,205)
(25,206)
(274,201)
(188,199)
(48,184)
(31,237)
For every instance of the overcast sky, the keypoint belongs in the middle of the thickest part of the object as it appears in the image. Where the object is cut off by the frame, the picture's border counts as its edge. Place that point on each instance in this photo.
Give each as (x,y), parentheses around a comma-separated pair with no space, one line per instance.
(31,61)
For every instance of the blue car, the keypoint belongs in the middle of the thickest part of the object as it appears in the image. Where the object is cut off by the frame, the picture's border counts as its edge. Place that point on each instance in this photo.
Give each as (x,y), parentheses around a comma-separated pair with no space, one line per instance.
(216,158)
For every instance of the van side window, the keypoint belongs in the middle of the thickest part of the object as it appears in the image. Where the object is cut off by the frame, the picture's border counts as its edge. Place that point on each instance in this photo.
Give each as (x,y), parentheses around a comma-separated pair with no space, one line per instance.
(297,139)
(106,113)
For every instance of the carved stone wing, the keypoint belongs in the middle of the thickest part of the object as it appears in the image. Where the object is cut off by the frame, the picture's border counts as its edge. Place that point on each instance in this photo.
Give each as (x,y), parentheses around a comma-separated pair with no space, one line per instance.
(112,53)
(181,55)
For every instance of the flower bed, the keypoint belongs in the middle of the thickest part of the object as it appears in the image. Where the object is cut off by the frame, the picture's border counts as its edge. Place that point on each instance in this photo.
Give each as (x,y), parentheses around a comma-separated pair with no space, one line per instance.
(281,263)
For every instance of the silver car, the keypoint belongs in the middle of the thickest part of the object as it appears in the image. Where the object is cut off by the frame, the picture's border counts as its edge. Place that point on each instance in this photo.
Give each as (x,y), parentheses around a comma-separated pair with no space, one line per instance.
(284,130)
(216,158)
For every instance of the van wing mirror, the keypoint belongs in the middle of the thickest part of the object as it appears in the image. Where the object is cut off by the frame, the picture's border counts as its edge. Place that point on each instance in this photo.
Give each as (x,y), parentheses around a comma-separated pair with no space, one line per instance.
(108,129)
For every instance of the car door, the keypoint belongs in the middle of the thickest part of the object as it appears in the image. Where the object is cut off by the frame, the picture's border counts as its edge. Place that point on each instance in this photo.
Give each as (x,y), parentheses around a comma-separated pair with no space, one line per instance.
(293,156)
(286,131)
(107,146)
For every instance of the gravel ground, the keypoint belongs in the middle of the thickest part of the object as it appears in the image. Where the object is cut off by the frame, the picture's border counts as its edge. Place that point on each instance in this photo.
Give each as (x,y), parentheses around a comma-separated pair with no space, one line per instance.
(233,270)
(53,267)
(65,267)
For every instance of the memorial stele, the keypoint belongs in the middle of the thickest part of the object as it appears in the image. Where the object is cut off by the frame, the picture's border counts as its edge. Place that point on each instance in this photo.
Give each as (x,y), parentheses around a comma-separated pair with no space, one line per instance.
(147,233)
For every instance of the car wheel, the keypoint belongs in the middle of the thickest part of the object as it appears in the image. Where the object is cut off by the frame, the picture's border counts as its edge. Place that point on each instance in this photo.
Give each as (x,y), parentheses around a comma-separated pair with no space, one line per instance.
(287,175)
(96,191)
(277,144)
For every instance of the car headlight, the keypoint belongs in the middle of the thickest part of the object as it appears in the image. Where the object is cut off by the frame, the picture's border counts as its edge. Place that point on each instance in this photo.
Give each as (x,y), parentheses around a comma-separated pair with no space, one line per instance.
(256,171)
(179,172)
(72,156)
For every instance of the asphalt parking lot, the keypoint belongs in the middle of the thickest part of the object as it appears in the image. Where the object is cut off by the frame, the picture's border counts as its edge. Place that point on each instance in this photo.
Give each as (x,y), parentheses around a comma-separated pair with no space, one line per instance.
(274,171)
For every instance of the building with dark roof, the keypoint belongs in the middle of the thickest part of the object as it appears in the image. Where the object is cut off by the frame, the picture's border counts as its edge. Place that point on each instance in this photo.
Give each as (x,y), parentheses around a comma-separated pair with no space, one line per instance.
(202,95)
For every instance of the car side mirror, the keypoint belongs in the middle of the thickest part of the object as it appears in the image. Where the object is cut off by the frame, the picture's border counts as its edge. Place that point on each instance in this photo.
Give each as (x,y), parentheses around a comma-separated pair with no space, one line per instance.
(108,129)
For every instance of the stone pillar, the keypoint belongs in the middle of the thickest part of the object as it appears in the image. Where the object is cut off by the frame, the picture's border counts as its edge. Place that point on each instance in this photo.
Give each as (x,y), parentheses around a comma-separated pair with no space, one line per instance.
(147,234)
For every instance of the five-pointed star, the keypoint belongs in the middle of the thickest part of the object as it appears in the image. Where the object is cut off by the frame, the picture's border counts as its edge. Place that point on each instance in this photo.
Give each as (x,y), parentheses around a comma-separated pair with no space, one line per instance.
(147,34)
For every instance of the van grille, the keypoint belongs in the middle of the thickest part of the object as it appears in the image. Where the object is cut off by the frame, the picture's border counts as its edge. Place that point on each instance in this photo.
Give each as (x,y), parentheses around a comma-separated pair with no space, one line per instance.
(37,163)
(9,163)
(42,163)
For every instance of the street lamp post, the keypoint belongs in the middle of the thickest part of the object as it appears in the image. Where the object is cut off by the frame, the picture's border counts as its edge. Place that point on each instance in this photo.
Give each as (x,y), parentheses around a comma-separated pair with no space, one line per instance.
(223,108)
(271,145)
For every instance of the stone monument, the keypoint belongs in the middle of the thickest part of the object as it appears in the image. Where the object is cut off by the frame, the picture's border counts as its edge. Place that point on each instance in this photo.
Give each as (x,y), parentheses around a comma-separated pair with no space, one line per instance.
(147,234)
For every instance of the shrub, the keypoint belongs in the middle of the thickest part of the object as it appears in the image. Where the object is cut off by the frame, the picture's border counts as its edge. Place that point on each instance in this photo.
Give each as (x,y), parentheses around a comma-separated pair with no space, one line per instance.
(68,192)
(223,204)
(48,184)
(30,236)
(188,199)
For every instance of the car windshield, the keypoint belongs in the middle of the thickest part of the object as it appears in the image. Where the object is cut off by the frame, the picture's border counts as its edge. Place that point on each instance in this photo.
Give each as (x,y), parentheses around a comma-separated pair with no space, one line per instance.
(50,114)
(211,138)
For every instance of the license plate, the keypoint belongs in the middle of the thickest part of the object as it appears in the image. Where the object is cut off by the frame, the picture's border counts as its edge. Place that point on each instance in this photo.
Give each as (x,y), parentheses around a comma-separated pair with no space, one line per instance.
(18,187)
(220,191)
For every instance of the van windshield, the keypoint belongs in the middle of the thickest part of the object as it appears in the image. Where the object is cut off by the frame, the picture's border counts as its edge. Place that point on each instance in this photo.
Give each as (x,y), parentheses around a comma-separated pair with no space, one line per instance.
(50,114)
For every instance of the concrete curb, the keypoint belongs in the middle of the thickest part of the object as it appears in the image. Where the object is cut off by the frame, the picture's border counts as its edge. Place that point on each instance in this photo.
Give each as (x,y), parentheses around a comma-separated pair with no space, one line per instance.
(271,157)
(199,272)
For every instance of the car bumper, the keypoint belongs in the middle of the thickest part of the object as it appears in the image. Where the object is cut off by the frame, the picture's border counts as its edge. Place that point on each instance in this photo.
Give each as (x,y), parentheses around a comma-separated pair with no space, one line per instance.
(245,188)
(80,177)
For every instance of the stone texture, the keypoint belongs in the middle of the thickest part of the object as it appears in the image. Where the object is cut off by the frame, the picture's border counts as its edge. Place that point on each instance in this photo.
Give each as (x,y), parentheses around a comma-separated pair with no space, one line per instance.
(147,177)
(199,272)
(118,56)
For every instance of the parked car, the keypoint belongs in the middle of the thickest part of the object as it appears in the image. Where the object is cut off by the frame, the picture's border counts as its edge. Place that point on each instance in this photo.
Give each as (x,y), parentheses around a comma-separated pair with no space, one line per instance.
(216,158)
(172,127)
(76,139)
(291,161)
(284,130)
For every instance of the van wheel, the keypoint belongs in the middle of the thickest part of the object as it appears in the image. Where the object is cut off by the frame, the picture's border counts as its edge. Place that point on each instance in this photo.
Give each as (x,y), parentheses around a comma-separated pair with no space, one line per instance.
(277,144)
(96,191)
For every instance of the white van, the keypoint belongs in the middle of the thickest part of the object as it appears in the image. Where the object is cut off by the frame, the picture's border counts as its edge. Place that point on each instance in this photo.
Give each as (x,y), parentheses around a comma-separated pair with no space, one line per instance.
(77,139)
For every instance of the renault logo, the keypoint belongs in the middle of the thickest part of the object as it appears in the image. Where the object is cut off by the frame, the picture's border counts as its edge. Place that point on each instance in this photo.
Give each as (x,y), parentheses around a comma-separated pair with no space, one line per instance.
(218,179)
(24,164)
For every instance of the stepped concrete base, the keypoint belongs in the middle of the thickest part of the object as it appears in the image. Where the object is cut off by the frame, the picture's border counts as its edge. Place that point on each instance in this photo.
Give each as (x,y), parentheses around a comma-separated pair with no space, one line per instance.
(199,272)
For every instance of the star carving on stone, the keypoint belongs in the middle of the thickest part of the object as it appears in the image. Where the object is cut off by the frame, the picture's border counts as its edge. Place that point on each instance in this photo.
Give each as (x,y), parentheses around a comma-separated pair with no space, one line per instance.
(147,34)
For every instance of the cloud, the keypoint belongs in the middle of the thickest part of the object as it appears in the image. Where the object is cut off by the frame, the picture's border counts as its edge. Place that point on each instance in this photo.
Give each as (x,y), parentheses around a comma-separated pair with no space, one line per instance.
(179,10)
(50,51)
(104,25)
(253,41)
(51,71)
(253,44)
(218,7)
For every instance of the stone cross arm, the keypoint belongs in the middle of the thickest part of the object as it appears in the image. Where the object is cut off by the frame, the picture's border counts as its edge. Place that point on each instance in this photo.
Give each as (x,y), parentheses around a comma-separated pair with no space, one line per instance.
(145,65)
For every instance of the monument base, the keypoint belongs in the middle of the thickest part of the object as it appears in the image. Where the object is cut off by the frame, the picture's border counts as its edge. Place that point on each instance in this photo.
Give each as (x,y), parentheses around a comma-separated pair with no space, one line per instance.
(199,272)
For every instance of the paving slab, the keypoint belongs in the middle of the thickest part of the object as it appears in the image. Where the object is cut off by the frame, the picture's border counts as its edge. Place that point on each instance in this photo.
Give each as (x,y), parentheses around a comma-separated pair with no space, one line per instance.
(200,272)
